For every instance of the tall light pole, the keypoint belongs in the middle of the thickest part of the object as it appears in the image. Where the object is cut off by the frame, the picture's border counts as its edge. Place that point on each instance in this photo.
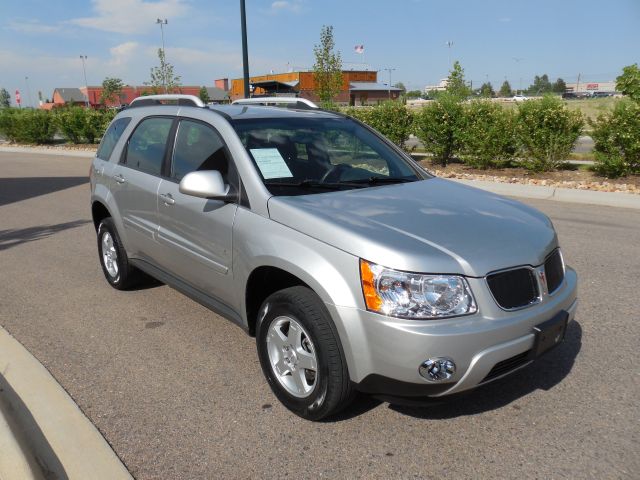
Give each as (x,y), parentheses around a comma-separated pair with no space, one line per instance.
(518,60)
(86,85)
(245,52)
(26,81)
(389,70)
(449,44)
(164,55)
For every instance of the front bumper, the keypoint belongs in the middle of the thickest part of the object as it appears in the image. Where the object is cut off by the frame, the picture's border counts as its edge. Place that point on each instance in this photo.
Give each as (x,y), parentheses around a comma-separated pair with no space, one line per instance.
(383,353)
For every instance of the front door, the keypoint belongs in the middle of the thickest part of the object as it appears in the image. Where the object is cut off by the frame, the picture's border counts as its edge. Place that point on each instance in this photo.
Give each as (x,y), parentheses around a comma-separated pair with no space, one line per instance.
(196,233)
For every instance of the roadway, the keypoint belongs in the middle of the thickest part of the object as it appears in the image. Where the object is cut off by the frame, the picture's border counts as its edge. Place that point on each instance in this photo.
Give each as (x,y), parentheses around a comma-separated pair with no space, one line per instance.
(178,393)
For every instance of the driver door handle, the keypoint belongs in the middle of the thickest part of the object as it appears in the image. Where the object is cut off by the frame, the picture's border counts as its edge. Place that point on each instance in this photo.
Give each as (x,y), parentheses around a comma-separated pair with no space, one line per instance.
(118,178)
(167,198)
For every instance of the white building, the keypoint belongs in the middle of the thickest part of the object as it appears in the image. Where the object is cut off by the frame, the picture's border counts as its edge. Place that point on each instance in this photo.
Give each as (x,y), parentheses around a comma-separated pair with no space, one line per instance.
(442,86)
(591,87)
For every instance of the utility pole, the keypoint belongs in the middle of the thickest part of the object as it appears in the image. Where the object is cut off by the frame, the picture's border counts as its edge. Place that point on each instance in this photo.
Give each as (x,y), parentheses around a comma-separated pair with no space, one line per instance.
(86,85)
(26,81)
(578,83)
(164,53)
(518,60)
(245,53)
(389,70)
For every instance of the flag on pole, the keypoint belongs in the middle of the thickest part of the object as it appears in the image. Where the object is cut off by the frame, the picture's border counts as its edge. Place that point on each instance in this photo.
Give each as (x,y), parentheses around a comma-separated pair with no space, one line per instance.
(359,48)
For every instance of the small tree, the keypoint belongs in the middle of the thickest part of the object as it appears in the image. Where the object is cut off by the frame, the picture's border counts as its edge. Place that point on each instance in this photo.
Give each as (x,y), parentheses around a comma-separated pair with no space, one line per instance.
(327,71)
(486,90)
(393,119)
(559,86)
(401,86)
(629,82)
(505,89)
(414,94)
(204,95)
(456,84)
(111,90)
(5,98)
(541,85)
(162,77)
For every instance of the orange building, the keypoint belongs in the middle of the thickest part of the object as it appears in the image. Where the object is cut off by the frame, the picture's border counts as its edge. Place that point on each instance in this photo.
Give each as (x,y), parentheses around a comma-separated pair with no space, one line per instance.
(359,87)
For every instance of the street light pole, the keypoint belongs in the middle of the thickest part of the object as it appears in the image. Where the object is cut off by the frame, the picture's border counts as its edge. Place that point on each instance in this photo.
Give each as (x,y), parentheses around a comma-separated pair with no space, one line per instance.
(389,87)
(245,53)
(84,70)
(449,44)
(164,53)
(26,81)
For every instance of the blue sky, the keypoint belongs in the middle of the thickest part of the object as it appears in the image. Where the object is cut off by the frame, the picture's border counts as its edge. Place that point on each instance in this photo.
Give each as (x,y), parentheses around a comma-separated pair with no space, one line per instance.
(43,39)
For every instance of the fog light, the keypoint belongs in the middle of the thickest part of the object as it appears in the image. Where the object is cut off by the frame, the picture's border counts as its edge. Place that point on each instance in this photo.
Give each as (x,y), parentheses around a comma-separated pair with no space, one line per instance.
(437,369)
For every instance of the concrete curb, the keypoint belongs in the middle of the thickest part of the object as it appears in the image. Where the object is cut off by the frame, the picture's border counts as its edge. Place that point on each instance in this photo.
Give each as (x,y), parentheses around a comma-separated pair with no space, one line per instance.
(48,151)
(589,197)
(45,434)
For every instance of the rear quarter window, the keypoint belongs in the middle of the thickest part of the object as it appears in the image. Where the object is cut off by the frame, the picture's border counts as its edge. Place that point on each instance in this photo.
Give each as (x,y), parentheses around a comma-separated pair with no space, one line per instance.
(111,137)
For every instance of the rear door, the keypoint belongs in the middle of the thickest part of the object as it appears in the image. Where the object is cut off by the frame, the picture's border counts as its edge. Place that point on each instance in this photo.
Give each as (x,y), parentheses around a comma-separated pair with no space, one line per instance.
(135,182)
(196,233)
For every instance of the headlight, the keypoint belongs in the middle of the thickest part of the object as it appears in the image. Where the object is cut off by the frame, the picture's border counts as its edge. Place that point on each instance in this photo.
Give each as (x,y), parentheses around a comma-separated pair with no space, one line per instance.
(412,295)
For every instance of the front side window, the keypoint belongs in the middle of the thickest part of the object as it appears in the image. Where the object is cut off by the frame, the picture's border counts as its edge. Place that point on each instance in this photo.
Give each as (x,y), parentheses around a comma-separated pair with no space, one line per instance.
(304,155)
(198,147)
(147,145)
(111,137)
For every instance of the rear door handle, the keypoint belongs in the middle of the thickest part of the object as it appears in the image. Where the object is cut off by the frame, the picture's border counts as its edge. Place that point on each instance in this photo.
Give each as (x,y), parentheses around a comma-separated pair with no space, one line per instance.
(118,178)
(167,199)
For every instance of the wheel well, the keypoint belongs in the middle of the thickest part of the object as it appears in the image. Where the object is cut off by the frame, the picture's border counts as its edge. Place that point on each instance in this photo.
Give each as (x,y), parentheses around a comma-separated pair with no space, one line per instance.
(262,282)
(98,212)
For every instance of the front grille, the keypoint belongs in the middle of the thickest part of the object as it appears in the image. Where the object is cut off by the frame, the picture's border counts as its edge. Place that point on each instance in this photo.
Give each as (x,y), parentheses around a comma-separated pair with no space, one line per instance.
(553,271)
(514,288)
(505,366)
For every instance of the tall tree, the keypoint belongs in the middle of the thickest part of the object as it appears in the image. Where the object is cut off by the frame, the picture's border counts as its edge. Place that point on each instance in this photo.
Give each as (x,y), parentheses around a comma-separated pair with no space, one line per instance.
(505,89)
(204,95)
(5,98)
(540,85)
(327,71)
(162,77)
(111,90)
(456,85)
(629,82)
(401,86)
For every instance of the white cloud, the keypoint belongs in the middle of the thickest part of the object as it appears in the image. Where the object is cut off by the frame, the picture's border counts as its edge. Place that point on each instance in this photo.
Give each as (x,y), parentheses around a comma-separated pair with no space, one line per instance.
(32,26)
(294,6)
(131,16)
(122,54)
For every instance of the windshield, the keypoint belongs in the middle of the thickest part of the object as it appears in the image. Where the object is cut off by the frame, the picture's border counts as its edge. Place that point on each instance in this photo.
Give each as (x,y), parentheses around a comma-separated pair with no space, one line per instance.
(298,156)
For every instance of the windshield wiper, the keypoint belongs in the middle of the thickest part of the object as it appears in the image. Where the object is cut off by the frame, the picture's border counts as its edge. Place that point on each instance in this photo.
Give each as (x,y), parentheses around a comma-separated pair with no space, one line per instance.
(315,184)
(380,180)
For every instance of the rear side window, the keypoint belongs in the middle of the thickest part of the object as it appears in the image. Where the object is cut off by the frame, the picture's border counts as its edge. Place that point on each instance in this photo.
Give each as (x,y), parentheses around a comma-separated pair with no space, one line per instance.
(147,145)
(111,137)
(198,147)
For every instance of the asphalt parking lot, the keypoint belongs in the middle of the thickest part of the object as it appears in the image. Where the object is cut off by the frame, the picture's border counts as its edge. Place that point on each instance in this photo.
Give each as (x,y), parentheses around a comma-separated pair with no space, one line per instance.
(178,393)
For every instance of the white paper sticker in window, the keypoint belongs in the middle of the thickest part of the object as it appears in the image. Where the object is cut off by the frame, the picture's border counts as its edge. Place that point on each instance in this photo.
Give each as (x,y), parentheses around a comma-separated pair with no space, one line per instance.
(271,163)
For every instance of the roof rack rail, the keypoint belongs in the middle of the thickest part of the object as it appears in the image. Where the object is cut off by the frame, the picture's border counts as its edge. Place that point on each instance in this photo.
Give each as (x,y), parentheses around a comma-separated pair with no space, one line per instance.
(291,102)
(180,99)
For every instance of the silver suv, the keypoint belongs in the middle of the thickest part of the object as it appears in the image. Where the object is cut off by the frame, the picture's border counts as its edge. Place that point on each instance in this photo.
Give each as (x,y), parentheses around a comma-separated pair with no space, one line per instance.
(355,269)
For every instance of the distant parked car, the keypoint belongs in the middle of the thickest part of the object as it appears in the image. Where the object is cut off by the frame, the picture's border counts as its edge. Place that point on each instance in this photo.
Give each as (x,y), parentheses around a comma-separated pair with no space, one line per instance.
(520,98)
(569,96)
(602,94)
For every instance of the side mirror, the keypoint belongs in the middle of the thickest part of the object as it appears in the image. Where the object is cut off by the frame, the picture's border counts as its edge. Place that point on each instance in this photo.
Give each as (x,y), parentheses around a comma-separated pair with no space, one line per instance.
(206,184)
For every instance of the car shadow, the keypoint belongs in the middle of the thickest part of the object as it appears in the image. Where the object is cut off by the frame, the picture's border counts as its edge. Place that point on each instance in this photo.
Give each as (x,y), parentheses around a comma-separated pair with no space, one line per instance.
(12,237)
(17,189)
(543,374)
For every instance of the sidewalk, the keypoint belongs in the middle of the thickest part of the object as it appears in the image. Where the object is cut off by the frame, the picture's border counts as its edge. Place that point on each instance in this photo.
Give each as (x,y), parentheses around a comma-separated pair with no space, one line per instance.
(43,433)
(588,197)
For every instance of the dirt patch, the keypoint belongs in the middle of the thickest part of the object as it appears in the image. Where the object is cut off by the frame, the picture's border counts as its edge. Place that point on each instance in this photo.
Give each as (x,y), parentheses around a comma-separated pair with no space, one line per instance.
(578,178)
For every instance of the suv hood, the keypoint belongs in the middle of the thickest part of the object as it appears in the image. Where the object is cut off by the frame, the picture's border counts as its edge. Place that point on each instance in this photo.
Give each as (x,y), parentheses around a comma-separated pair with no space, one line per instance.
(429,226)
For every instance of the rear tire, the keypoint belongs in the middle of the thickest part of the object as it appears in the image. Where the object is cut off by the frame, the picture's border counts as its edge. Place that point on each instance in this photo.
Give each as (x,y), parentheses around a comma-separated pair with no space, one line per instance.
(113,258)
(301,355)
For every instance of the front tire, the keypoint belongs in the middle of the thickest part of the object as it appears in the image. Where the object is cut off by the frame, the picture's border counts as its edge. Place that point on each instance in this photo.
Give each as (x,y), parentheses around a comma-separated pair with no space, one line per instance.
(301,355)
(113,257)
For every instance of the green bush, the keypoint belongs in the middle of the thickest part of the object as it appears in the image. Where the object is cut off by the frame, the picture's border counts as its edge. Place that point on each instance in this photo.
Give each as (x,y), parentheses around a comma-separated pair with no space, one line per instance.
(96,123)
(547,131)
(617,140)
(487,135)
(70,122)
(392,119)
(9,124)
(27,126)
(439,127)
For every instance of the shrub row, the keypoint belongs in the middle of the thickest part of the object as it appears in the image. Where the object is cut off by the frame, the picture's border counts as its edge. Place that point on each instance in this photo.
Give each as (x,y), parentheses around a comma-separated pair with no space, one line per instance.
(483,134)
(75,124)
